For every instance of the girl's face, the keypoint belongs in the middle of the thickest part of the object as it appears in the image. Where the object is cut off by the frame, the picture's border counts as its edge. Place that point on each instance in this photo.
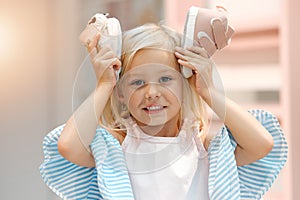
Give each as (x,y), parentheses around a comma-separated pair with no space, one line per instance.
(152,87)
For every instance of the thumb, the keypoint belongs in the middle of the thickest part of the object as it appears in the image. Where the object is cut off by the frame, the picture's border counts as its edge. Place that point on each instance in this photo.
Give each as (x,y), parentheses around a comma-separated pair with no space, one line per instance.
(93,53)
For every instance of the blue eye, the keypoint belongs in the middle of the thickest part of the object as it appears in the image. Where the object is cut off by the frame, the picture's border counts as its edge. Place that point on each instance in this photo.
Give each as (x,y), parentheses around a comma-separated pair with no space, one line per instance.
(138,82)
(164,79)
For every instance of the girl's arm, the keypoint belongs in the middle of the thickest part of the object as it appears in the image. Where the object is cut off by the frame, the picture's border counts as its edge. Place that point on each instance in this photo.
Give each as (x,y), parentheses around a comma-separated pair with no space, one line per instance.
(80,129)
(253,140)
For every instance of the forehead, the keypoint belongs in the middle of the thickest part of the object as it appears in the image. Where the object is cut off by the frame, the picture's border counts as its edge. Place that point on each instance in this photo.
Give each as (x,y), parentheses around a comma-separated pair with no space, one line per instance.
(154,56)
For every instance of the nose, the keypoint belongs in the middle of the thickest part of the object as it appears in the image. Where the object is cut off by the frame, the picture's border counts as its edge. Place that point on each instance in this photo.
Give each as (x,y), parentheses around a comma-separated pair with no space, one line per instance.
(152,91)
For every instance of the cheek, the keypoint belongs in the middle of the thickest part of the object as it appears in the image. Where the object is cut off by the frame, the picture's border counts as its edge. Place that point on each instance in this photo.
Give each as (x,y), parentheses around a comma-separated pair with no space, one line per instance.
(134,98)
(128,95)
(177,99)
(176,92)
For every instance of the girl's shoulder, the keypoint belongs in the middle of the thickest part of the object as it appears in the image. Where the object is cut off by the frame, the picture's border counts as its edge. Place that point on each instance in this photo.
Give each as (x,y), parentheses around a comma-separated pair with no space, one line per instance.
(118,134)
(209,136)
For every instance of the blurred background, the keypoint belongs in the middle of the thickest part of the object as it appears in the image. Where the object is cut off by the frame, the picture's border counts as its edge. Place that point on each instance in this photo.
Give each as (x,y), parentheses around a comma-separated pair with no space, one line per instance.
(44,74)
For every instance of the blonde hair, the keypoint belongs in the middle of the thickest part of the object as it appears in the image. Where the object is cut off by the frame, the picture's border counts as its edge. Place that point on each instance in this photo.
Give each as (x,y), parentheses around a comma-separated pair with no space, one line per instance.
(157,37)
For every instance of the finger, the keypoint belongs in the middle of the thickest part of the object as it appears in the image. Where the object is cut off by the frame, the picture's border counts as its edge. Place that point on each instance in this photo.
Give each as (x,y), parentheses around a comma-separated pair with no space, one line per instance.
(199,51)
(186,64)
(185,54)
(94,43)
(106,48)
(102,55)
(106,55)
(195,55)
(106,52)
(219,31)
(180,50)
(116,64)
(180,56)
(93,53)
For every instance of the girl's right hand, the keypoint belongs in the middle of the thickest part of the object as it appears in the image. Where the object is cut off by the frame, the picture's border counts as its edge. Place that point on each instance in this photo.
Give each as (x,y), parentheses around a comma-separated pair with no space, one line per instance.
(104,62)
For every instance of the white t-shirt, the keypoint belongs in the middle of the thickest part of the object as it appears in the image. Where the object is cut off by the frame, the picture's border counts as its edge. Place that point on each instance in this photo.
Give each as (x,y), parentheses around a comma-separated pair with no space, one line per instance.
(163,168)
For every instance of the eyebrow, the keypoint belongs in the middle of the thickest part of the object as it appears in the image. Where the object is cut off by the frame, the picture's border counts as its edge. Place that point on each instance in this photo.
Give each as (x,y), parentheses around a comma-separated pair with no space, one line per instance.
(169,70)
(158,72)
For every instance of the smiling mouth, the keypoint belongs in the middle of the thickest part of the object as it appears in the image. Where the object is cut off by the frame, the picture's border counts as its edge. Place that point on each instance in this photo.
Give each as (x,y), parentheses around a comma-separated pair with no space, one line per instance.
(154,109)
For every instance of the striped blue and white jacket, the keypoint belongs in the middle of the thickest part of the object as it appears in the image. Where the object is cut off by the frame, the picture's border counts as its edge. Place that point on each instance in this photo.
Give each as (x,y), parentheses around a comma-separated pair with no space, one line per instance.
(110,179)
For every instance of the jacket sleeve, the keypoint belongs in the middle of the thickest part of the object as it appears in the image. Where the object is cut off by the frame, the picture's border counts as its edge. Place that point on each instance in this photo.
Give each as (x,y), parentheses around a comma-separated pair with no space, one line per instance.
(66,179)
(257,178)
(112,174)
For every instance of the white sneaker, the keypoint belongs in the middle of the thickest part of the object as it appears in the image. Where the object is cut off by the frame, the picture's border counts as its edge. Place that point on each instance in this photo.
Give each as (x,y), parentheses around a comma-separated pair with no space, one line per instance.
(110,30)
(206,28)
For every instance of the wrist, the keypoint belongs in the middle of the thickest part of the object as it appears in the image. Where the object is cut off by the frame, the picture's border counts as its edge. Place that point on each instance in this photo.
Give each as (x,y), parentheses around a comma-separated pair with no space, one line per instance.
(213,96)
(105,87)
(207,95)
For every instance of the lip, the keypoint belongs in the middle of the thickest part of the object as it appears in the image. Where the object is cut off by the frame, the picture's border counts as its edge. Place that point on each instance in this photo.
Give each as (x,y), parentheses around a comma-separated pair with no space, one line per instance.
(153,109)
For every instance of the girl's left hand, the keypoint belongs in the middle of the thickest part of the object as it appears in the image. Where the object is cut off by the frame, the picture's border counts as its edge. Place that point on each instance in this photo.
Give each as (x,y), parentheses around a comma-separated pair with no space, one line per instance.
(197,59)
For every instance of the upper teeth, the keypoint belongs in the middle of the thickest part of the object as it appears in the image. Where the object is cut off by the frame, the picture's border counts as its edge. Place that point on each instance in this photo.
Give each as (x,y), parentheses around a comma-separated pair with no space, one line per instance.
(154,107)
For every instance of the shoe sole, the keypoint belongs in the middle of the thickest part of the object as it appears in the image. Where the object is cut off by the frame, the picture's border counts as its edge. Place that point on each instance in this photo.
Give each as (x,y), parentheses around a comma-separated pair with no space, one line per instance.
(115,37)
(188,36)
(114,30)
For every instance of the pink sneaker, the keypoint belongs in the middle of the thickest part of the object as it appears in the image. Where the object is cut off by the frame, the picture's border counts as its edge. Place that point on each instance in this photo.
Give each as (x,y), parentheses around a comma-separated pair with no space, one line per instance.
(206,28)
(110,30)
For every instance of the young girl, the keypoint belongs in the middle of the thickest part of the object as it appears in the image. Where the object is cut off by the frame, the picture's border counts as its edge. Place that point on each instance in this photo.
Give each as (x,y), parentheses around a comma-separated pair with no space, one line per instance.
(147,135)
